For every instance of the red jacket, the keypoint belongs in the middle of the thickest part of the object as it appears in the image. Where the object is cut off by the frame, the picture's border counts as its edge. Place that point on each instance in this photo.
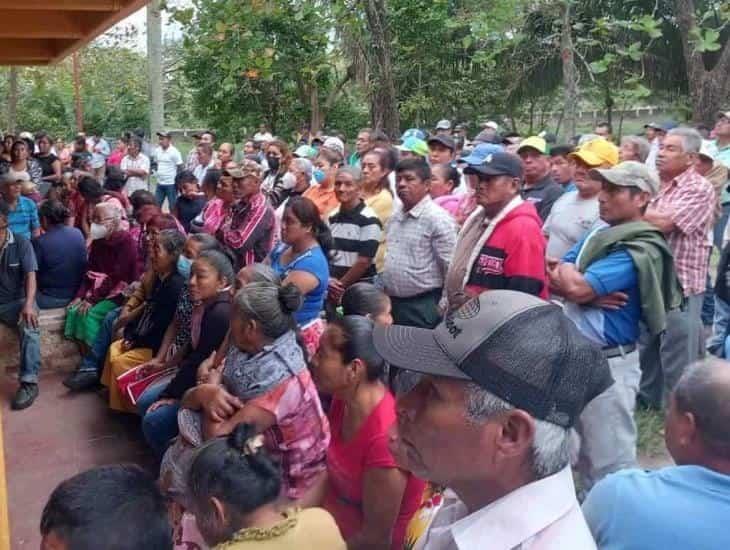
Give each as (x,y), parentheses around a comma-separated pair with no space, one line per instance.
(513,258)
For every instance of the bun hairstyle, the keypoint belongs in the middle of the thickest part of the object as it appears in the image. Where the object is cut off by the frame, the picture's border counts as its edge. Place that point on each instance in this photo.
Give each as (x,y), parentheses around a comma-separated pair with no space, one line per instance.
(355,341)
(308,215)
(236,470)
(364,299)
(220,263)
(271,305)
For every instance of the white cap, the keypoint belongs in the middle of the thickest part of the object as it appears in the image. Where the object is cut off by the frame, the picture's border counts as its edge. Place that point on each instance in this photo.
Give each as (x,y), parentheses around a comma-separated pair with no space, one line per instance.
(708,149)
(443,125)
(335,144)
(491,124)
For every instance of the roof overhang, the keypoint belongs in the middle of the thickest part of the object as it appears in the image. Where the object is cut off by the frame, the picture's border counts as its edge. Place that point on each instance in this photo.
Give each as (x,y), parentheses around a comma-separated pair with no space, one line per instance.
(42,32)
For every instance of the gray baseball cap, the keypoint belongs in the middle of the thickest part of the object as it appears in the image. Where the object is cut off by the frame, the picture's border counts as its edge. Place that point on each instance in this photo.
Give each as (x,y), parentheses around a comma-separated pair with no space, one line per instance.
(443,125)
(519,347)
(628,174)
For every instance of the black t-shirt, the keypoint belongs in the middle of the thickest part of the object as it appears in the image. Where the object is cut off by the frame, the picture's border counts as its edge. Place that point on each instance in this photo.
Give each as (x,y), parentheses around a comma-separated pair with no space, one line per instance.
(188,209)
(46,163)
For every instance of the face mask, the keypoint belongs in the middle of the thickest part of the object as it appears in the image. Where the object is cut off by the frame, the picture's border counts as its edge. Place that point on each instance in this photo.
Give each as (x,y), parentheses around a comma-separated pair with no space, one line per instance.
(97,231)
(319,175)
(273,162)
(184,264)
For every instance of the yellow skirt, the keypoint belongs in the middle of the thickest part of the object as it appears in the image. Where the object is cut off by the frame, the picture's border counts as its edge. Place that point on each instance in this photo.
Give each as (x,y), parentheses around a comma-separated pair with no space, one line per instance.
(117,363)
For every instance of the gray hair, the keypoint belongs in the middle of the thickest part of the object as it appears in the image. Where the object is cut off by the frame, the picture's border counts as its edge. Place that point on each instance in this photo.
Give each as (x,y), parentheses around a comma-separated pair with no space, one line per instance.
(271,305)
(113,210)
(691,139)
(262,273)
(704,391)
(640,145)
(304,166)
(353,171)
(551,444)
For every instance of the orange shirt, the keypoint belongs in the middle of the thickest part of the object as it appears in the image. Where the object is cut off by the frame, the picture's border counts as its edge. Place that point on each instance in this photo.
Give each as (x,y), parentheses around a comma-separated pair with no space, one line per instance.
(324,199)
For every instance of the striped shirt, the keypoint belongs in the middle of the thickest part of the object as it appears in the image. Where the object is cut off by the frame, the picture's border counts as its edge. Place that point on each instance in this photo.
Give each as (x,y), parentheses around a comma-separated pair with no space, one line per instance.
(690,201)
(356,234)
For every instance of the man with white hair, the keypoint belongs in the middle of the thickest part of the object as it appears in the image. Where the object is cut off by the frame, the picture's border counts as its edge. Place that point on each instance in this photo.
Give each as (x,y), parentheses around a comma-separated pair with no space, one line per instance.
(504,378)
(682,210)
(301,169)
(682,506)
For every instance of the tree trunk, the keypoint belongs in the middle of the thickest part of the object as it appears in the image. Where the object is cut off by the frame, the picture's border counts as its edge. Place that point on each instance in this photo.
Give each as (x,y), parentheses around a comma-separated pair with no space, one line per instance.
(708,89)
(154,66)
(12,99)
(609,106)
(315,121)
(78,101)
(383,102)
(570,82)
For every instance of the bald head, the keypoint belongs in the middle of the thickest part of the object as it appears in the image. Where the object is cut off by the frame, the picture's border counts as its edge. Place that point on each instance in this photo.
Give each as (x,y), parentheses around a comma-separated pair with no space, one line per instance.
(704,392)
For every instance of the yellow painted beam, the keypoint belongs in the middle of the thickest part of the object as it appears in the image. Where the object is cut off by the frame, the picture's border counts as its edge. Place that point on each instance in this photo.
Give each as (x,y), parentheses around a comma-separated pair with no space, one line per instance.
(4,516)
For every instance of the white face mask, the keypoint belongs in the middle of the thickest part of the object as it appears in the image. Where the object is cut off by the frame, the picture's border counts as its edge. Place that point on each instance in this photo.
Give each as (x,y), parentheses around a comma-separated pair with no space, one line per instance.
(97,231)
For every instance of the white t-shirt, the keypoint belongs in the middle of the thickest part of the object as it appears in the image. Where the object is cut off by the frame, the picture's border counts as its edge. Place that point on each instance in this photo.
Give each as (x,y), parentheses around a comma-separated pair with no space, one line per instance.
(99,152)
(167,162)
(570,218)
(199,171)
(134,183)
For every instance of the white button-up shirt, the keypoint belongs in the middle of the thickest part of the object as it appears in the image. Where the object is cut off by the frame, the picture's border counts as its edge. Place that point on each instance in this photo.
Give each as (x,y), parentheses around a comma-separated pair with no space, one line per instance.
(543,515)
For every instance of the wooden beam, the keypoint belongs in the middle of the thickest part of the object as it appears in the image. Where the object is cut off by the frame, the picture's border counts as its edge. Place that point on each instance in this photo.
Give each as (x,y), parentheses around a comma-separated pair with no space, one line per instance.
(32,24)
(63,5)
(16,48)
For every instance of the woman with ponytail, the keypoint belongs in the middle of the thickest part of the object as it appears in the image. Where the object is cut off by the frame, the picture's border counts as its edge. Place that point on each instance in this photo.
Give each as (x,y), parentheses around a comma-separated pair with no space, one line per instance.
(234,486)
(302,259)
(264,382)
(371,499)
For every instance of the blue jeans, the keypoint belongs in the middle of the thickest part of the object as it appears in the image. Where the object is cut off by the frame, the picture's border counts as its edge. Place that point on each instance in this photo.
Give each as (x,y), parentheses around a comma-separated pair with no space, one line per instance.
(30,340)
(160,425)
(45,301)
(94,360)
(169,191)
(721,322)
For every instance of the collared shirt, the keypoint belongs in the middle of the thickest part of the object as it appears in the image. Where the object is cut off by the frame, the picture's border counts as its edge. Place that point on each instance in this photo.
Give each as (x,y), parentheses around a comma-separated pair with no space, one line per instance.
(24,219)
(542,515)
(134,183)
(167,162)
(420,244)
(16,260)
(690,201)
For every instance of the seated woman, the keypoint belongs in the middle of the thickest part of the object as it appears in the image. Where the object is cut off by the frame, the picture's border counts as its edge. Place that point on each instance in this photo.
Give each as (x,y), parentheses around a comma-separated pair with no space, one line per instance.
(248,227)
(94,194)
(114,182)
(61,255)
(371,499)
(143,335)
(356,232)
(234,486)
(367,300)
(264,382)
(301,259)
(111,268)
(210,282)
(218,192)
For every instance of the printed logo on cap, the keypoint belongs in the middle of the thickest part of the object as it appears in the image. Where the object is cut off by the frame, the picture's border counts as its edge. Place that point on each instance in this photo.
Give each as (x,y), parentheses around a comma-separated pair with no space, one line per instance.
(469,310)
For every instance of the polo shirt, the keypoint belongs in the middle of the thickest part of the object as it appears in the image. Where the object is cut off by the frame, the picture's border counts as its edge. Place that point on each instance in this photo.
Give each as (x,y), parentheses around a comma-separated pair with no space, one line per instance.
(615,272)
(356,233)
(671,508)
(167,162)
(24,219)
(543,194)
(61,257)
(16,259)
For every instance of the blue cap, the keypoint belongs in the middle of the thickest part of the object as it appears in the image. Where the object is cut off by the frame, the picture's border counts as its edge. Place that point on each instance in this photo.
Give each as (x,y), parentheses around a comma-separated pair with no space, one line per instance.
(480,152)
(669,125)
(414,132)
(497,164)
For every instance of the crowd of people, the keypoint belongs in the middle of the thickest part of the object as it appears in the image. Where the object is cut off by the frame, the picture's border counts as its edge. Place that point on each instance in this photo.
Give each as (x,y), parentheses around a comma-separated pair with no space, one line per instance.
(416,343)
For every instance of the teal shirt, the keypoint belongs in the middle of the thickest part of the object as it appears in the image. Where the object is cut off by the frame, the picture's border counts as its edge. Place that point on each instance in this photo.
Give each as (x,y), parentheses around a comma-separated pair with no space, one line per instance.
(723,156)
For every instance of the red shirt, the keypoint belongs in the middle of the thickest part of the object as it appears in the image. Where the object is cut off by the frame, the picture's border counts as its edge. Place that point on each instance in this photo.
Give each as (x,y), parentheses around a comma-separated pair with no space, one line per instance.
(347,462)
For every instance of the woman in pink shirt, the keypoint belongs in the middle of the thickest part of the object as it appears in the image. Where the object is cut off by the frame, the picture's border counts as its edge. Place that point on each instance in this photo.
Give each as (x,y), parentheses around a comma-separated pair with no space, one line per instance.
(115,159)
(444,179)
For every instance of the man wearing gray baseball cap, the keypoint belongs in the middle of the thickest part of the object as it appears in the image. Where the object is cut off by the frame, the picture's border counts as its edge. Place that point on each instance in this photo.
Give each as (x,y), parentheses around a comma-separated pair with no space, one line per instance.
(505,377)
(620,274)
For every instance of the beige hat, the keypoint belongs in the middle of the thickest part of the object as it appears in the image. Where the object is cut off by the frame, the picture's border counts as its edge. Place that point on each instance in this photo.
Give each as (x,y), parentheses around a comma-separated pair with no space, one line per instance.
(628,174)
(14,177)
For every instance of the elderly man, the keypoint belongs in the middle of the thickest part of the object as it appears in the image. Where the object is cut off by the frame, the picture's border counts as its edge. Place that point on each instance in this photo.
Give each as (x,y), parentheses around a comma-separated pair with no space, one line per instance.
(683,210)
(500,245)
(136,167)
(504,378)
(206,160)
(539,187)
(683,506)
(301,169)
(22,214)
(17,305)
(363,144)
(615,277)
(421,237)
(169,163)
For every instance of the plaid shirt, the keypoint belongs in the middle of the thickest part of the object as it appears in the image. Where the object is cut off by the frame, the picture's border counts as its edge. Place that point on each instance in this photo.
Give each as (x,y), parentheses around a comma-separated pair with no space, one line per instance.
(419,246)
(690,201)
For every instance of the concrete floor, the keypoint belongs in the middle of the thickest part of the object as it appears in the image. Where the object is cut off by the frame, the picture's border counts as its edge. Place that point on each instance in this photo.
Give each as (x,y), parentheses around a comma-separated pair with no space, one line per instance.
(60,435)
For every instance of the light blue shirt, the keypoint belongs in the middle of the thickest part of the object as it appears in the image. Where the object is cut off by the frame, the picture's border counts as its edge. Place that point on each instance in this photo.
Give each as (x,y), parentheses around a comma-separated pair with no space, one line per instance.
(675,508)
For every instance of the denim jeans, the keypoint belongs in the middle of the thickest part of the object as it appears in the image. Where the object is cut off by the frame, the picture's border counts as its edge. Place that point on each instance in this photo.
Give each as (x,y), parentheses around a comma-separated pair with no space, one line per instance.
(606,426)
(721,321)
(169,191)
(45,301)
(30,340)
(158,426)
(94,360)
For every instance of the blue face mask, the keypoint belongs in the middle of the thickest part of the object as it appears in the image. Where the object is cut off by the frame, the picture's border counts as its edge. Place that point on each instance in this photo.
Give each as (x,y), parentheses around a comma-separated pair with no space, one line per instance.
(319,175)
(184,264)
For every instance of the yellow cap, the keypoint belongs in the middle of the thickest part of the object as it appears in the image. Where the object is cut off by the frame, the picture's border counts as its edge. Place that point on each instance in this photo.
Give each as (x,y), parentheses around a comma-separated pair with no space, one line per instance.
(597,152)
(534,142)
